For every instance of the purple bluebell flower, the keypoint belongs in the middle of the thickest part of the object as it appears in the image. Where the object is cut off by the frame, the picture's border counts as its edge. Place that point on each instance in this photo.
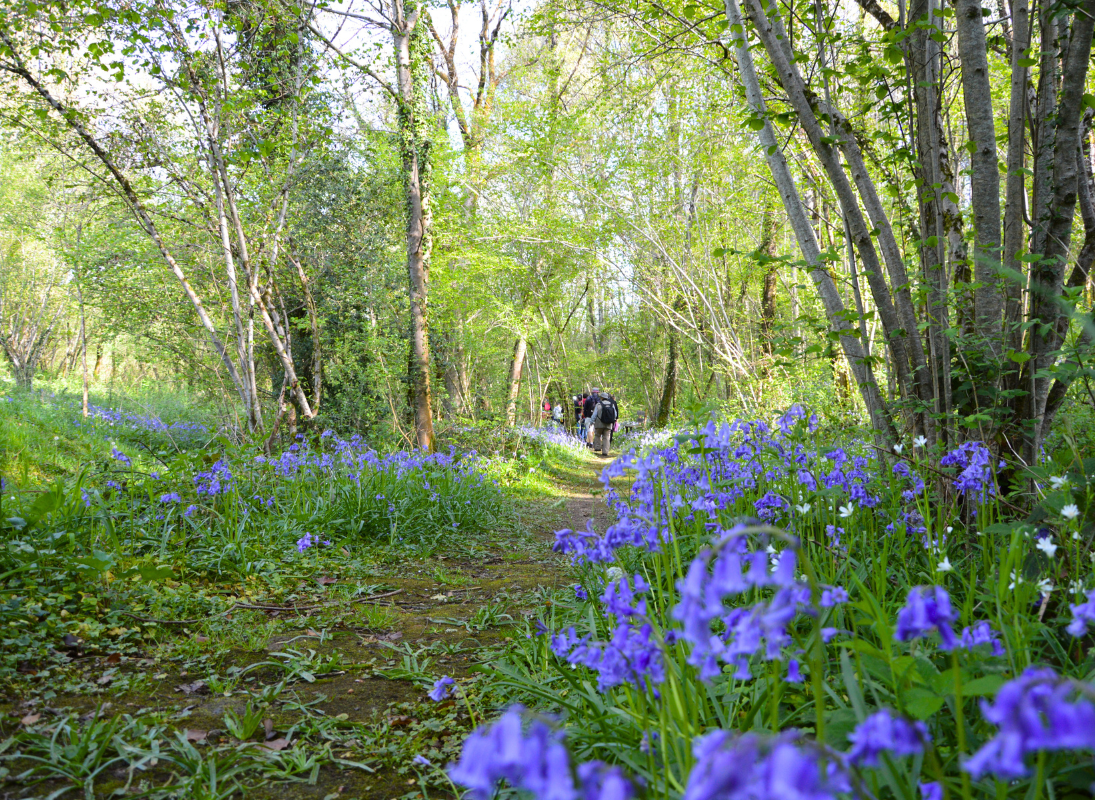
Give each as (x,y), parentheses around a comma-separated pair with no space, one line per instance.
(982,633)
(580,592)
(1083,614)
(927,608)
(86,498)
(114,485)
(441,688)
(794,674)
(974,462)
(619,597)
(531,758)
(932,790)
(746,767)
(120,456)
(884,732)
(190,511)
(306,541)
(833,596)
(1036,711)
(421,761)
(632,656)
(170,497)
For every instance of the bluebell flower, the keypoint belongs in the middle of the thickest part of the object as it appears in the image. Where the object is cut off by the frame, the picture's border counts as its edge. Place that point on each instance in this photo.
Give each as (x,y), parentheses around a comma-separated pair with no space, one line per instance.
(1036,711)
(794,674)
(619,597)
(833,596)
(1083,614)
(974,462)
(421,761)
(927,609)
(85,497)
(190,510)
(530,758)
(982,633)
(170,497)
(120,456)
(932,790)
(580,592)
(747,767)
(441,688)
(883,732)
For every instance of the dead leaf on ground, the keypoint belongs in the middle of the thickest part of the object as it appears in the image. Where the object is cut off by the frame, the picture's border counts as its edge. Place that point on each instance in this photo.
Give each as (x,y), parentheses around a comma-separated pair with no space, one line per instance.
(402,721)
(113,658)
(268,724)
(195,735)
(326,580)
(201,639)
(105,679)
(392,637)
(197,687)
(312,632)
(276,745)
(30,719)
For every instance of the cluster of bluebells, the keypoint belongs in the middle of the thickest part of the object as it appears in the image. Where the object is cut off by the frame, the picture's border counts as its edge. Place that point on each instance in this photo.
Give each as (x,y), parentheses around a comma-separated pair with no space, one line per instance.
(215,481)
(553,435)
(308,540)
(633,655)
(882,732)
(1083,615)
(1036,711)
(726,572)
(530,756)
(974,463)
(121,457)
(927,609)
(703,476)
(749,766)
(185,433)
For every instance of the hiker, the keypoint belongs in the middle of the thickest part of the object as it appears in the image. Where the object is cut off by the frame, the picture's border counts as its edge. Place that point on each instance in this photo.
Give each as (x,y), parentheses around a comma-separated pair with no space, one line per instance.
(557,415)
(588,404)
(579,401)
(604,418)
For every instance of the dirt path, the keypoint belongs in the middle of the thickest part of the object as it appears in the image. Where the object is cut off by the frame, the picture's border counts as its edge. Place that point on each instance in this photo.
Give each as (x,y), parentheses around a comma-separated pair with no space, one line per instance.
(351,674)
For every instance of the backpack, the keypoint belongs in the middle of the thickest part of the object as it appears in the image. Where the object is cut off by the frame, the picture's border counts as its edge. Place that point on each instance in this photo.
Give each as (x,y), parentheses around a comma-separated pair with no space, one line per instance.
(608,411)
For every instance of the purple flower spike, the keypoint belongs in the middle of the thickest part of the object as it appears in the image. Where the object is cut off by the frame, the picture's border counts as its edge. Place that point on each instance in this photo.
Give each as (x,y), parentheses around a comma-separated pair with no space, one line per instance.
(982,633)
(1083,614)
(883,732)
(1033,712)
(441,688)
(927,608)
(931,791)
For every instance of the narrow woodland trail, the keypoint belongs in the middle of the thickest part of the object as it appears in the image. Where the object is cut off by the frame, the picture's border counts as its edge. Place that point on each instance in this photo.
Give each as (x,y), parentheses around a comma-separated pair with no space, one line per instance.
(351,654)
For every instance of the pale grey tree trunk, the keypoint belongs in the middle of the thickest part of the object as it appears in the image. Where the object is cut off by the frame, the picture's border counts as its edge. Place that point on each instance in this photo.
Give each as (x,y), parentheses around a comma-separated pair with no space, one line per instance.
(517,366)
(804,233)
(985,176)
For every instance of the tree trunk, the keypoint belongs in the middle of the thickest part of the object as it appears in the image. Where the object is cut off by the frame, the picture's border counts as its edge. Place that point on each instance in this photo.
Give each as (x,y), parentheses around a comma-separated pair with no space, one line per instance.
(835,311)
(988,298)
(415,151)
(771,278)
(669,388)
(517,366)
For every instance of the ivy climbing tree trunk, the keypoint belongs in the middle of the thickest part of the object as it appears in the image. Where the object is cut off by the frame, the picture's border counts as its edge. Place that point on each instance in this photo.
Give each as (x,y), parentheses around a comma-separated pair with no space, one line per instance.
(414,145)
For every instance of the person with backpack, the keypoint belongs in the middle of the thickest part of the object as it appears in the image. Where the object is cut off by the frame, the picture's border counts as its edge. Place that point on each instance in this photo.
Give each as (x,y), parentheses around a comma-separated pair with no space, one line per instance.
(579,402)
(604,417)
(590,403)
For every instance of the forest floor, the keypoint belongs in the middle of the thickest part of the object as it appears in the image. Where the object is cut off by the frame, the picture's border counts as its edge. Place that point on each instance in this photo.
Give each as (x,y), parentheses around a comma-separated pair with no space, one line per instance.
(234,694)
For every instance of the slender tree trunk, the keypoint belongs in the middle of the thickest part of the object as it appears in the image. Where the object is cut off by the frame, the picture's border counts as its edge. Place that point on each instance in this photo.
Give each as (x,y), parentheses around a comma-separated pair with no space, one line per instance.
(672,368)
(415,150)
(835,311)
(989,296)
(517,366)
(771,279)
(83,348)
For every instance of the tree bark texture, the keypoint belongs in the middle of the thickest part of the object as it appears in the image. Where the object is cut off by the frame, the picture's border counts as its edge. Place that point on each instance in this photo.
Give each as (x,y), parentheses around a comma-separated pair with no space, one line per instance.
(517,366)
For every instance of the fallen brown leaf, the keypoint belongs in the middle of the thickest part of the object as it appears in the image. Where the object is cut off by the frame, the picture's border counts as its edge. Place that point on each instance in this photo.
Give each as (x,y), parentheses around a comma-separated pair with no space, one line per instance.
(113,658)
(195,735)
(326,580)
(30,719)
(401,721)
(312,632)
(201,639)
(197,687)
(268,724)
(276,745)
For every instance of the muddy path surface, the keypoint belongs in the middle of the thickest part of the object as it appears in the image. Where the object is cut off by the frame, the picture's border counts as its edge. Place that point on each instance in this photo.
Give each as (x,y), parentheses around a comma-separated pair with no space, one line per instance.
(265,688)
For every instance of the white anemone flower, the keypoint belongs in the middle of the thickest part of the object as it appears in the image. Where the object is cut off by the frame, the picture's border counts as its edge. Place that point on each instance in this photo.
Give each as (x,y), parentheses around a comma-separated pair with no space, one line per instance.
(897,448)
(945,565)
(1070,511)
(1058,481)
(803,509)
(847,511)
(920,441)
(1046,545)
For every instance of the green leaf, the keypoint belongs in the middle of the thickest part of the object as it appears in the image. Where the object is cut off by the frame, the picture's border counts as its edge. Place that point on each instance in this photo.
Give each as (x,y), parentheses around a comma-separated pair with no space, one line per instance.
(921,703)
(986,686)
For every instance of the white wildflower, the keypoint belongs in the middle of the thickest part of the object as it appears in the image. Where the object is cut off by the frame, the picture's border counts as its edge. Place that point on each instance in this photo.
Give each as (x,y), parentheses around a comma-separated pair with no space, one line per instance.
(804,508)
(897,448)
(1076,587)
(847,511)
(1070,511)
(945,565)
(920,441)
(614,573)
(1058,481)
(1016,579)
(1044,586)
(1046,545)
